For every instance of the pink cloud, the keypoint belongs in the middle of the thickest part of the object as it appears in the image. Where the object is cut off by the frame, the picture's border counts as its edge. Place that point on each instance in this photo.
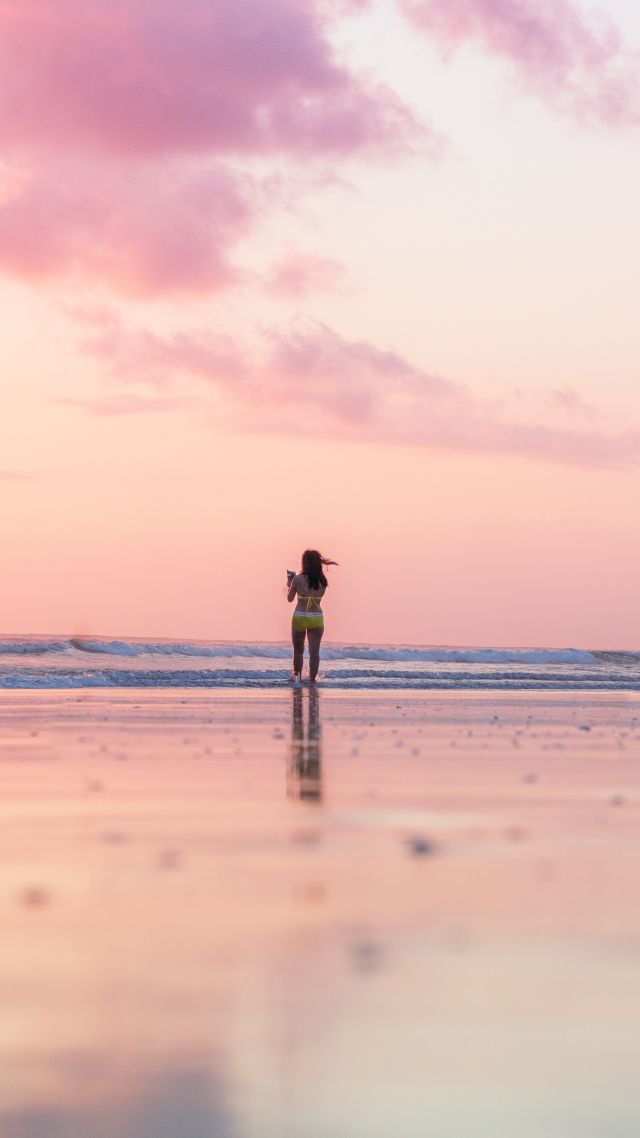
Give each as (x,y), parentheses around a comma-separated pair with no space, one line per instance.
(127,403)
(117,118)
(351,382)
(299,274)
(568,399)
(153,77)
(142,231)
(310,380)
(576,61)
(144,358)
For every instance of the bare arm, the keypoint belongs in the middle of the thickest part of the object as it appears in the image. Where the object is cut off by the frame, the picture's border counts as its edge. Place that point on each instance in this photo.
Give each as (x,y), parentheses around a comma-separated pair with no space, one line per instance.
(293,589)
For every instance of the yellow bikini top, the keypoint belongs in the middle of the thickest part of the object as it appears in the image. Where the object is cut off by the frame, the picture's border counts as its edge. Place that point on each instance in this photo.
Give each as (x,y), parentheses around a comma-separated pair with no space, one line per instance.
(310,601)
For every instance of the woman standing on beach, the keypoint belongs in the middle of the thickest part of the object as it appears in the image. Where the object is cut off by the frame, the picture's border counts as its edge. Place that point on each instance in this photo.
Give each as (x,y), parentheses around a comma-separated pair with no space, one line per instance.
(308,619)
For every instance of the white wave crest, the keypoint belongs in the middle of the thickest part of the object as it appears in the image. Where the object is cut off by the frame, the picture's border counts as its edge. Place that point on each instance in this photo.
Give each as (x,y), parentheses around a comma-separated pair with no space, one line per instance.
(363,652)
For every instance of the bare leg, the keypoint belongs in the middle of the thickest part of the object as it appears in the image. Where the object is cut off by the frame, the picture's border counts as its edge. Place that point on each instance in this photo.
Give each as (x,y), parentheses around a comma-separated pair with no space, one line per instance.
(297,639)
(314,637)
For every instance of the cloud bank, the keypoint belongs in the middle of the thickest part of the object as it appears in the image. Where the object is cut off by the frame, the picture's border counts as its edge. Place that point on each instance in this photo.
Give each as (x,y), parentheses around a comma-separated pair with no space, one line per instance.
(311,381)
(141,235)
(158,77)
(132,133)
(124,124)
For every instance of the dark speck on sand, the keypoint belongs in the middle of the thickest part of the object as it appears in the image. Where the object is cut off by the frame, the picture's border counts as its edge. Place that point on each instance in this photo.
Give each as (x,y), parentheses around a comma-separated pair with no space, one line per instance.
(420,847)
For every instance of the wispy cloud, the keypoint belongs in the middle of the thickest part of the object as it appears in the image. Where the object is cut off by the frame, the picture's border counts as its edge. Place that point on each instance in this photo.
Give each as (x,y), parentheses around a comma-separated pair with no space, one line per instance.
(16,476)
(299,274)
(569,400)
(310,380)
(574,59)
(129,403)
(141,357)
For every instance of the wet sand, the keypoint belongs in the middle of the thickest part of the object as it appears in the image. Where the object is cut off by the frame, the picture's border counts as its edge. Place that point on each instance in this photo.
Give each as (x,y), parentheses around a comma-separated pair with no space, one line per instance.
(285,914)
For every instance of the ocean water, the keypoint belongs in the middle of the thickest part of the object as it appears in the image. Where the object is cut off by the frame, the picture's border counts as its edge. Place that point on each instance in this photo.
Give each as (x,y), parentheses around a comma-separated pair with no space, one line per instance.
(61,662)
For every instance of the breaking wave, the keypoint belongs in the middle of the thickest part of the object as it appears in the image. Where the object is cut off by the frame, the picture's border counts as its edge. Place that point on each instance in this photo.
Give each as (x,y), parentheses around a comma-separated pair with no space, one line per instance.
(50,662)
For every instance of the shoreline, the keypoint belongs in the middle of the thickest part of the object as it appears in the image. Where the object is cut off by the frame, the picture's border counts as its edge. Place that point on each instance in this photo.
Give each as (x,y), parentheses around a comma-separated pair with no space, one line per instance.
(279,691)
(376,692)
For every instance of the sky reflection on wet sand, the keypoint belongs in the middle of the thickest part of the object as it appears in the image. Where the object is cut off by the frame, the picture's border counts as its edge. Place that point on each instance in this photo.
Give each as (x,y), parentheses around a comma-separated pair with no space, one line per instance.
(311,915)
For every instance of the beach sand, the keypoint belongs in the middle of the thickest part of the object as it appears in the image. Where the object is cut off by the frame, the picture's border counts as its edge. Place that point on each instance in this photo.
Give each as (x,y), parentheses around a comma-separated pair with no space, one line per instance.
(281,914)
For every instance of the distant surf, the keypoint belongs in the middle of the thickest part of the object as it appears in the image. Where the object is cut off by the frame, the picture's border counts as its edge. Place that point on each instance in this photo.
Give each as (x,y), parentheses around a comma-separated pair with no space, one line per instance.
(76,662)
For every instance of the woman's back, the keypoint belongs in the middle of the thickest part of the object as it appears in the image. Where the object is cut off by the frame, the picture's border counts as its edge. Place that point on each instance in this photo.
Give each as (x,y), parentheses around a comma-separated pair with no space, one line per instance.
(305,592)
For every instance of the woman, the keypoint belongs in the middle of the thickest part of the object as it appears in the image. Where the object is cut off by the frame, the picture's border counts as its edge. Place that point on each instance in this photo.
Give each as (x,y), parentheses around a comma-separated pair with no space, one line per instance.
(309,587)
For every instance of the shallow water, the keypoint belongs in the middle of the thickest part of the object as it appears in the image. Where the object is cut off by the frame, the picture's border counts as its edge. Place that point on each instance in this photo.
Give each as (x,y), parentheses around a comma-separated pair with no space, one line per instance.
(63,662)
(319,915)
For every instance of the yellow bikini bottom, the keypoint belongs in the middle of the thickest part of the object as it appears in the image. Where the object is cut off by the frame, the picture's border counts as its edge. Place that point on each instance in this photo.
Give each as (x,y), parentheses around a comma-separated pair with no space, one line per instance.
(302,621)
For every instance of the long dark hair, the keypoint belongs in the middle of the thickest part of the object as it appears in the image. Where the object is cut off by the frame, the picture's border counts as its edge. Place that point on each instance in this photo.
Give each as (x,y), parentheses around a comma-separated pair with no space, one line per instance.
(312,567)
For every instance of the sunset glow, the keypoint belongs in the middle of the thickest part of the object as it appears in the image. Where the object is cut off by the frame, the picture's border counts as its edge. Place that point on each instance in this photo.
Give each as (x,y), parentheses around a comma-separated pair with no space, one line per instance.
(349,274)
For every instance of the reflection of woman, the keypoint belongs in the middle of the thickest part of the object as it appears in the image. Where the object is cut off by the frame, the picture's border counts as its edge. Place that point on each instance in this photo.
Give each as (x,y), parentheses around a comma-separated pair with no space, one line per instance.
(305,767)
(308,619)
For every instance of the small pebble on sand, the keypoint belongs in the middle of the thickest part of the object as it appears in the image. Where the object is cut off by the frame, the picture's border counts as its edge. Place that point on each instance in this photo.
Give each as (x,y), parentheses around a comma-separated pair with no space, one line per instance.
(367,956)
(515,834)
(34,897)
(114,837)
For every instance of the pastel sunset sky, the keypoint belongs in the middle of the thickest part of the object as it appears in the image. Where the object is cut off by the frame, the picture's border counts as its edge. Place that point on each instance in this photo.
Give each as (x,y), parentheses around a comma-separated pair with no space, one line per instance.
(356,275)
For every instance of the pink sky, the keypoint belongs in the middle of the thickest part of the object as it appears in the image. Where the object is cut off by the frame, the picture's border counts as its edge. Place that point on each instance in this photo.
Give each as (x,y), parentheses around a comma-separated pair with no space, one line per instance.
(358,275)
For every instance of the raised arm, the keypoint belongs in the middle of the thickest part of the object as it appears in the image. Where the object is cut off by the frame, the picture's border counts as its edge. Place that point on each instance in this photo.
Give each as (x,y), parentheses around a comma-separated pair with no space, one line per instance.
(293,590)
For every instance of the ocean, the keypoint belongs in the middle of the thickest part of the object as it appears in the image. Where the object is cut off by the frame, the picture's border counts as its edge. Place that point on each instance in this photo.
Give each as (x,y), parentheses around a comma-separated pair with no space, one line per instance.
(70,662)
